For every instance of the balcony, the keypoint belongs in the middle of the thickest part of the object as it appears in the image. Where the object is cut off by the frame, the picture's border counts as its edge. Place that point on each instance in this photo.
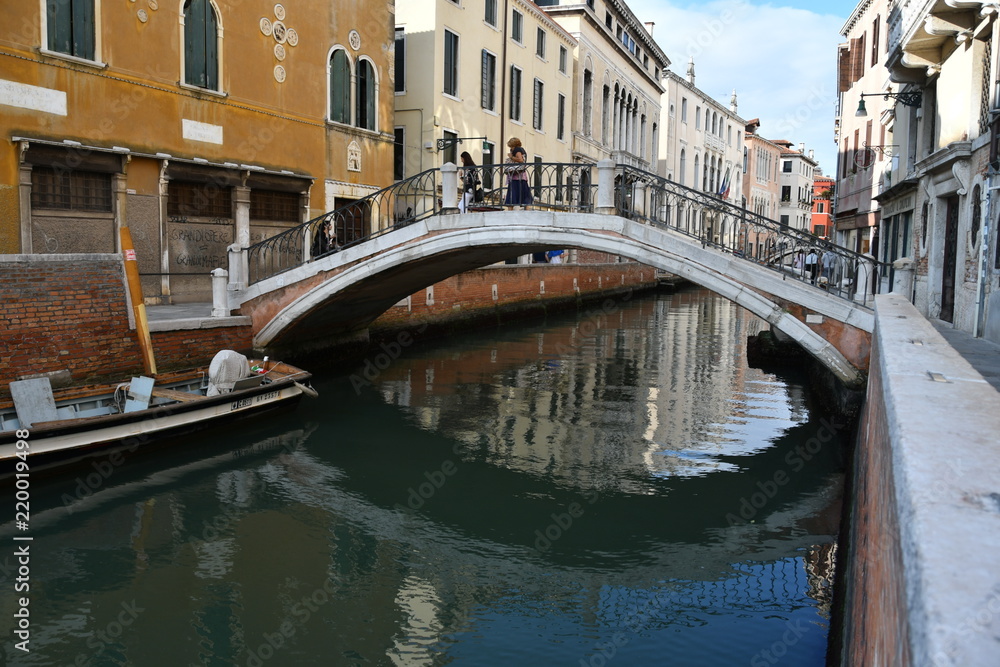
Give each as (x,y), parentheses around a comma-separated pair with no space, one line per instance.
(917,31)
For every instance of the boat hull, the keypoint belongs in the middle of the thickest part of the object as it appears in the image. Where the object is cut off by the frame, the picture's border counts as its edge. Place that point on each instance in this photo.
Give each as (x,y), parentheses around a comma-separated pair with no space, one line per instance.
(72,438)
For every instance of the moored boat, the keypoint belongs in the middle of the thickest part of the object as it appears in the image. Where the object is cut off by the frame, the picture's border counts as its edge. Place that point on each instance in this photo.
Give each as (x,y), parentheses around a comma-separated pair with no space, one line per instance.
(72,422)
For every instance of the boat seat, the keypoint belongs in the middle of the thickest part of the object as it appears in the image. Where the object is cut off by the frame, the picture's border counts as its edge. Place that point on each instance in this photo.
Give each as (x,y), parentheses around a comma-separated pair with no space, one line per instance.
(140,391)
(33,401)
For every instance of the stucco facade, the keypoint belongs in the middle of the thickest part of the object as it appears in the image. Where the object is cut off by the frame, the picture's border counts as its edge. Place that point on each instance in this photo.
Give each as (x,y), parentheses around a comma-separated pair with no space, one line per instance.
(702,145)
(617,67)
(458,77)
(796,181)
(197,124)
(937,207)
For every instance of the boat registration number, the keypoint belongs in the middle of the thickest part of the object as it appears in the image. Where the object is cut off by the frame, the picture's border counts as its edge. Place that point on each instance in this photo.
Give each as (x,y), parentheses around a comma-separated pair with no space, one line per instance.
(247,402)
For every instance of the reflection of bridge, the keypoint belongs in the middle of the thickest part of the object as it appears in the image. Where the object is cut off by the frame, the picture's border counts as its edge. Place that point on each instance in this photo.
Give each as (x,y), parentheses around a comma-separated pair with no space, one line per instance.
(296,300)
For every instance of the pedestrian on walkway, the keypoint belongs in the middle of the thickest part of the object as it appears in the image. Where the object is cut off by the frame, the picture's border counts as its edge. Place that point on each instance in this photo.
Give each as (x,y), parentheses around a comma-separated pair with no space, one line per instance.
(812,264)
(472,186)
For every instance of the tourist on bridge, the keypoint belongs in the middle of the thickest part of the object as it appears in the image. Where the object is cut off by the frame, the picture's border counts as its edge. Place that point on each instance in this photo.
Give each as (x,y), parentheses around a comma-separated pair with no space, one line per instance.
(325,240)
(812,263)
(472,186)
(516,168)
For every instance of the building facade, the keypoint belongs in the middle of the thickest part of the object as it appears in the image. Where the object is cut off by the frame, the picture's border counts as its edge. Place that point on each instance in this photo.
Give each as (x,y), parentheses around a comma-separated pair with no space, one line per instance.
(761,183)
(860,165)
(937,201)
(822,201)
(197,124)
(475,72)
(616,82)
(702,144)
(796,181)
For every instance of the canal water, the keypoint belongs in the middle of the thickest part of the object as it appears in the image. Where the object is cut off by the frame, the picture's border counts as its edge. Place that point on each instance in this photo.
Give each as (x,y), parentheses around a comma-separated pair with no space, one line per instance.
(615,487)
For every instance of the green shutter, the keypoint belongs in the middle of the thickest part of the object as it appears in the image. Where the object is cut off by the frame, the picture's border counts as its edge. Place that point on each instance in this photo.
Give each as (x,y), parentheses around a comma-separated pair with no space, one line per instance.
(59,20)
(194,43)
(83,29)
(340,88)
(211,76)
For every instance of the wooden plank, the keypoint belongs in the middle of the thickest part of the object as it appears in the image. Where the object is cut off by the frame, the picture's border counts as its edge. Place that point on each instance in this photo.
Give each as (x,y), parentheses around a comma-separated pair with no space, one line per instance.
(33,401)
(173,394)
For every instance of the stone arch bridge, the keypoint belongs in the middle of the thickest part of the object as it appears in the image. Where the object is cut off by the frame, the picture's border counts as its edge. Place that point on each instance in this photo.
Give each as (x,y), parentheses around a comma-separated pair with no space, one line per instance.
(309,300)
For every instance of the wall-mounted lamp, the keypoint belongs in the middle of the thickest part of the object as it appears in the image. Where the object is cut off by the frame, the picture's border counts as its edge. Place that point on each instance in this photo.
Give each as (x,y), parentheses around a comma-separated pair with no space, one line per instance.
(911,98)
(888,150)
(442,144)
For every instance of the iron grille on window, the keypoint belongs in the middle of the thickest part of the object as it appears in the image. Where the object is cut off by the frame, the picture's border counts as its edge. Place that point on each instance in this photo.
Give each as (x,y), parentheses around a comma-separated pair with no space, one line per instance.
(274,205)
(200,199)
(70,190)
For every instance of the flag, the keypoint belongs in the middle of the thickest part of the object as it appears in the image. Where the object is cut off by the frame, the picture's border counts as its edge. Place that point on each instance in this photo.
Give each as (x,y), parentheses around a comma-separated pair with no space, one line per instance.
(724,188)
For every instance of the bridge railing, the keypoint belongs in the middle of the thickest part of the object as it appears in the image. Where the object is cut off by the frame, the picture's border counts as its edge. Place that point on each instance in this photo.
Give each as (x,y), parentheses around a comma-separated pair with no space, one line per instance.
(551,185)
(353,222)
(708,217)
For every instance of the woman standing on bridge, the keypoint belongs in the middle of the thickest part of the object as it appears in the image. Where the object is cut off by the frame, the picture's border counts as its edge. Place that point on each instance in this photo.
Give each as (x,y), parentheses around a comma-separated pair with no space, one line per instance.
(518,192)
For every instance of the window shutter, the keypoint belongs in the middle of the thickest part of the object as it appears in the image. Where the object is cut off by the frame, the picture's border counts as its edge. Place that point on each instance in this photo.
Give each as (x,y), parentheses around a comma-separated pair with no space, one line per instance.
(83,29)
(486,81)
(59,21)
(370,101)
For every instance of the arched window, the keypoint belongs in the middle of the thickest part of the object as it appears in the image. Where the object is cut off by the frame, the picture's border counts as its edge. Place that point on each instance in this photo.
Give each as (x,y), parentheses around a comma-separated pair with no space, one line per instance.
(366,96)
(977,212)
(201,45)
(340,87)
(697,173)
(683,164)
(588,101)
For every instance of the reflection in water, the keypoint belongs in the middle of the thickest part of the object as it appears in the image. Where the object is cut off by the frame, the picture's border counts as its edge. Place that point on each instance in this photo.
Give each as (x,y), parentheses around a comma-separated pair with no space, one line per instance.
(614,486)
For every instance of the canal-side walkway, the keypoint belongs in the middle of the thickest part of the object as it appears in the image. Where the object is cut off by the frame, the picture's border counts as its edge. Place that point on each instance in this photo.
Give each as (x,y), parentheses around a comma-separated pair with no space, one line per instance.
(981,354)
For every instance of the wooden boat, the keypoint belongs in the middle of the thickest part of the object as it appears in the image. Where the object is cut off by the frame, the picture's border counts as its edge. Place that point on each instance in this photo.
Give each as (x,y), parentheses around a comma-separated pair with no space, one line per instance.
(76,421)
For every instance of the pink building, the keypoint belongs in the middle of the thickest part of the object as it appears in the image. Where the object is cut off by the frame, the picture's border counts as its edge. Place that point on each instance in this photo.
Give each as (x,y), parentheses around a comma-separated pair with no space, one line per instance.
(822,200)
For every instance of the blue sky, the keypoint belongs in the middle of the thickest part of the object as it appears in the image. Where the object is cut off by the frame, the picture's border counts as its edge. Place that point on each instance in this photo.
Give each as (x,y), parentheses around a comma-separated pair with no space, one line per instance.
(779,55)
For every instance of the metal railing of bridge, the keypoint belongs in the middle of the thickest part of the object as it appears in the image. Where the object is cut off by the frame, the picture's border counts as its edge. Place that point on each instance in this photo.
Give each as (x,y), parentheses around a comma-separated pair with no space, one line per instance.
(721,224)
(573,187)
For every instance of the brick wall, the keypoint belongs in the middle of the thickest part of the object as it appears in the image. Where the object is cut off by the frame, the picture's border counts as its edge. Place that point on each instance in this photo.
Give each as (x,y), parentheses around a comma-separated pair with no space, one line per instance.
(518,287)
(70,313)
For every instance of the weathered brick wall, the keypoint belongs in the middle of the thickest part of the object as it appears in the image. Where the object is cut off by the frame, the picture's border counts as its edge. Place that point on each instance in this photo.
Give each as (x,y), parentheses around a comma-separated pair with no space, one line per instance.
(471,294)
(875,629)
(70,313)
(65,312)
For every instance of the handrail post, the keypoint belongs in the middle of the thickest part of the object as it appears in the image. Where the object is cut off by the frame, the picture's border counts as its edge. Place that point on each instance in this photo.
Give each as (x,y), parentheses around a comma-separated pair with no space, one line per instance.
(238,268)
(639,198)
(606,188)
(449,188)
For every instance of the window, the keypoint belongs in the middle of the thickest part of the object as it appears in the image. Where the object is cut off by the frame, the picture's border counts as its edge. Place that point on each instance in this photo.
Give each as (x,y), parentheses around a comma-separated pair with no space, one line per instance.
(875,38)
(697,118)
(274,205)
(820,208)
(608,21)
(491,12)
(786,193)
(588,102)
(540,43)
(536,115)
(561,117)
(450,154)
(188,198)
(515,93)
(605,114)
(398,154)
(517,27)
(489,95)
(784,220)
(70,27)
(684,110)
(340,87)
(201,45)
(366,96)
(400,64)
(786,166)
(450,63)
(563,57)
(70,190)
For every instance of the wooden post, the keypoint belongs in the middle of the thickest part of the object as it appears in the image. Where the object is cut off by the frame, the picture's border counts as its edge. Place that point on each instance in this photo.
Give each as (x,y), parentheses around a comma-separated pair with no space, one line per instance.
(138,307)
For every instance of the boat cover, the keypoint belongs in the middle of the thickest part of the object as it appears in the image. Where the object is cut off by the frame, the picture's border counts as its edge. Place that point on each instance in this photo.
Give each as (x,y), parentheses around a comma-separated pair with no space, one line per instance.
(226,368)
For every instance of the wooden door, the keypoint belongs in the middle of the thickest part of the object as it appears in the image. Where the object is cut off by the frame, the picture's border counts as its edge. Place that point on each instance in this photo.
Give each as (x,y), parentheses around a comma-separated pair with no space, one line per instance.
(950,261)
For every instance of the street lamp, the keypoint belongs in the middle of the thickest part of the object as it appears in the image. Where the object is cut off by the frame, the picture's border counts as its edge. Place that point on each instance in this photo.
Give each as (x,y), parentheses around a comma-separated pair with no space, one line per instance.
(911,98)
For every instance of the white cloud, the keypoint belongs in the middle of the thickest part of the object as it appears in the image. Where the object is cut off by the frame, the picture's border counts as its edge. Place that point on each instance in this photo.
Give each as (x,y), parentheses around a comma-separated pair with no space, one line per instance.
(781,61)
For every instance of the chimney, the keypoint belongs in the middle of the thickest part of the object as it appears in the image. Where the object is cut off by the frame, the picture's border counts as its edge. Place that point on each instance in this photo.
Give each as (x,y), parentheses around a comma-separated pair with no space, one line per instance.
(802,147)
(690,72)
(812,154)
(649,27)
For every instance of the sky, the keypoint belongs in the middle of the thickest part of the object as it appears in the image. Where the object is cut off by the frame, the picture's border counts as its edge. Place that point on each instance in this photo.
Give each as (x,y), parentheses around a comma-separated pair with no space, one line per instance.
(780,56)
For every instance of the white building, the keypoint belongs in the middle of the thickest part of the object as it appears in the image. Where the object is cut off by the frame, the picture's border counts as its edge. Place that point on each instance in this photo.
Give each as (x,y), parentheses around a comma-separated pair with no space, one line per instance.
(795,179)
(702,145)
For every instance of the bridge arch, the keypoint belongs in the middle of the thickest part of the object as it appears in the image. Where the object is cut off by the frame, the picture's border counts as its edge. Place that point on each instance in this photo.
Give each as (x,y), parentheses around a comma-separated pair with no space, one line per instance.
(346,291)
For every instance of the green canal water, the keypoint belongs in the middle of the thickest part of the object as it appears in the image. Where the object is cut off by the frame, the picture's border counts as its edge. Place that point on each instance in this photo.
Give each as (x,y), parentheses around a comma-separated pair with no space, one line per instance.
(610,488)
